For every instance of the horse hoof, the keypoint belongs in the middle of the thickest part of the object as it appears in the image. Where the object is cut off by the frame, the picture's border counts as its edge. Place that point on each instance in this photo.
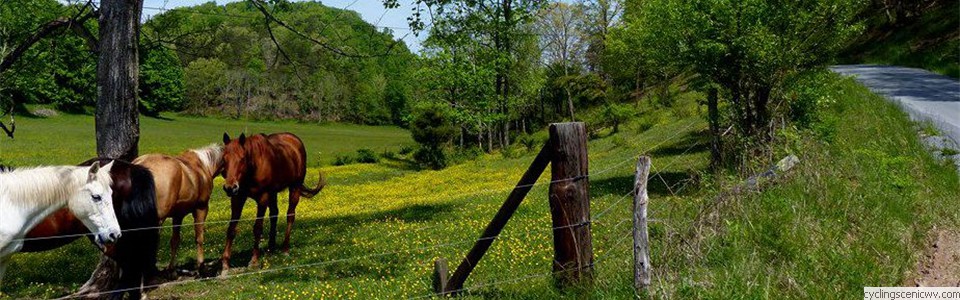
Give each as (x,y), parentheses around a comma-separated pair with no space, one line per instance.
(224,273)
(253,264)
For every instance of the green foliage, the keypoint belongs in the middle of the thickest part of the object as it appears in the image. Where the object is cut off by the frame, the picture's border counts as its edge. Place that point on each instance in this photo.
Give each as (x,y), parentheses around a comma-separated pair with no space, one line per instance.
(367,156)
(747,49)
(343,159)
(431,127)
(232,67)
(203,79)
(617,114)
(161,82)
(59,70)
(927,39)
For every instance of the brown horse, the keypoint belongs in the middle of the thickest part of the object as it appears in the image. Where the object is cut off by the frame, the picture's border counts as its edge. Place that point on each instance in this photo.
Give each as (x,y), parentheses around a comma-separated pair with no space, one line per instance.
(184,184)
(259,167)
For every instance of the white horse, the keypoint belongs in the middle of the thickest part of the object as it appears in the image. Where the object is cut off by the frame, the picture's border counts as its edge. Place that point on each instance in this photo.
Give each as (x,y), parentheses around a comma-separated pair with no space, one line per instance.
(27,196)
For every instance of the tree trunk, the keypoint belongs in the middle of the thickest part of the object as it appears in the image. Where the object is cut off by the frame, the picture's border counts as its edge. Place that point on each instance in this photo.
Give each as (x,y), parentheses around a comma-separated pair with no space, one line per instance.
(117,117)
(713,113)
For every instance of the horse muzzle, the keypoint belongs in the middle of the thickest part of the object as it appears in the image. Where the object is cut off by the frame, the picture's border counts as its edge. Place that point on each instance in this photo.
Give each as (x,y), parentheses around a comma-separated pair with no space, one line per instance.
(105,238)
(232,190)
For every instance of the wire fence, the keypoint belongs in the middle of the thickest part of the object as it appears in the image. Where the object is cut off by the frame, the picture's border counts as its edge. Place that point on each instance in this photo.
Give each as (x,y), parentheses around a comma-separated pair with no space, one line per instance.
(606,169)
(597,218)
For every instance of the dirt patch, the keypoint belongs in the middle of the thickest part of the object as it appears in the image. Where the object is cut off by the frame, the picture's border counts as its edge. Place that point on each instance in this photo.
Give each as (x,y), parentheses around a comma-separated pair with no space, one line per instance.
(940,265)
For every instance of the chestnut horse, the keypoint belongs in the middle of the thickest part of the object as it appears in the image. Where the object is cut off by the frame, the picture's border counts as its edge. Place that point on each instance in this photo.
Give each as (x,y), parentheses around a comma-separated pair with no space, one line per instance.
(184,184)
(134,202)
(259,167)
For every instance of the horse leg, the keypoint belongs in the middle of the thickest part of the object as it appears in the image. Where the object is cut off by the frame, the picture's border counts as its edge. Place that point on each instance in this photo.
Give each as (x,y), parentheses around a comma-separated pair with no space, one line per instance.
(236,208)
(199,218)
(274,211)
(258,229)
(175,241)
(291,216)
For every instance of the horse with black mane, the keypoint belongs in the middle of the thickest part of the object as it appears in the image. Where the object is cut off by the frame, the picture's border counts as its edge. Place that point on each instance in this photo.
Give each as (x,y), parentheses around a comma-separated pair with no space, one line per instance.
(135,253)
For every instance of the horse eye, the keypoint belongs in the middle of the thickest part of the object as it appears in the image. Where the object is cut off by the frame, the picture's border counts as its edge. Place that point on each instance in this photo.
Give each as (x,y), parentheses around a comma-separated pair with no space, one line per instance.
(97,198)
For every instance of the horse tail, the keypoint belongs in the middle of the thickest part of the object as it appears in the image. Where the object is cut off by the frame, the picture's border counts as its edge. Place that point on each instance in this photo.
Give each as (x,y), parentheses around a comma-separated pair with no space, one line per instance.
(137,250)
(308,192)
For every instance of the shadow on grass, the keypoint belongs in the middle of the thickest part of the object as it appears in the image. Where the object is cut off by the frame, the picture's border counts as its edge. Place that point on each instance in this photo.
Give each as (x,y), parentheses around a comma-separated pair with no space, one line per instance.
(349,259)
(660,184)
(692,143)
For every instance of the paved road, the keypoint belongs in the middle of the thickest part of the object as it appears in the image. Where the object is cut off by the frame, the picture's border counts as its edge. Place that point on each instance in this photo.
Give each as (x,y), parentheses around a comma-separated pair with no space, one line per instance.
(925,96)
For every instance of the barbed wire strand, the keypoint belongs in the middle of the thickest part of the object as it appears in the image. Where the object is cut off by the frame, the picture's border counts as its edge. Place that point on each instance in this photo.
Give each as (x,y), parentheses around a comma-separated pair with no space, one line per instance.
(486,191)
(334,261)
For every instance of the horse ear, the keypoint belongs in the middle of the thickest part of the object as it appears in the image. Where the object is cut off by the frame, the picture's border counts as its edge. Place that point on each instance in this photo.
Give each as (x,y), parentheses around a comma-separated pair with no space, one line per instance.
(243,139)
(94,168)
(226,138)
(106,168)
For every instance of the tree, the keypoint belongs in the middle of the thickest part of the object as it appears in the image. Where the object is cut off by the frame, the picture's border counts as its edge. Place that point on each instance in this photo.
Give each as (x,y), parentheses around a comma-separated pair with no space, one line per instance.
(161,79)
(431,128)
(118,114)
(562,38)
(747,48)
(491,34)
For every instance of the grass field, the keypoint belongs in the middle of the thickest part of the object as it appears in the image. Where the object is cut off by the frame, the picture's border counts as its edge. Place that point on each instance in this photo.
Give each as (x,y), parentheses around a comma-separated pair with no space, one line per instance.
(70,139)
(852,214)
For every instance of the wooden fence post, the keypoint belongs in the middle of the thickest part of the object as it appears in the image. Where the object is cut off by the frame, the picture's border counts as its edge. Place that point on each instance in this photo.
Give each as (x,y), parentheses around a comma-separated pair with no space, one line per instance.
(641,239)
(570,204)
(454,285)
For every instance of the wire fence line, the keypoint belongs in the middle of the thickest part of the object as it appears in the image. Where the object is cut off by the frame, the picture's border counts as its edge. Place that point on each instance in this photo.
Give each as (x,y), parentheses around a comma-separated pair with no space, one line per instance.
(596,262)
(481,192)
(341,260)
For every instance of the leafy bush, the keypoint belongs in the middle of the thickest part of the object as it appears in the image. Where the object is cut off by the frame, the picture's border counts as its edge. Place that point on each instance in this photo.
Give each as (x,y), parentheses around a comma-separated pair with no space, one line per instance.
(432,129)
(367,156)
(405,149)
(343,159)
(388,154)
(616,114)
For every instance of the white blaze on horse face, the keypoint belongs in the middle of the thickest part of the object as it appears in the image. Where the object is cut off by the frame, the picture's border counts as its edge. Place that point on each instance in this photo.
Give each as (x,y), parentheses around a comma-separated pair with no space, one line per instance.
(94,205)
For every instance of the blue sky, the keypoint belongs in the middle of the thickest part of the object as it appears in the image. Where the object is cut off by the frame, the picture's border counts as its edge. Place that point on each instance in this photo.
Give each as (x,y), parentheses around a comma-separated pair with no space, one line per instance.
(372,11)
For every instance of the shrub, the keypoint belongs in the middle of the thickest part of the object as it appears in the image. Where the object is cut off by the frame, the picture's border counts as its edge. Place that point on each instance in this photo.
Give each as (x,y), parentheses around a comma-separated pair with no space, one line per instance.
(616,114)
(343,159)
(405,149)
(367,156)
(432,129)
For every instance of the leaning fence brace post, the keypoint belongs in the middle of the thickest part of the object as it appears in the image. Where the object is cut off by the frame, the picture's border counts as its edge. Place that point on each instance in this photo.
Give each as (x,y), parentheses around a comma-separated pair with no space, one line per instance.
(454,285)
(570,204)
(641,239)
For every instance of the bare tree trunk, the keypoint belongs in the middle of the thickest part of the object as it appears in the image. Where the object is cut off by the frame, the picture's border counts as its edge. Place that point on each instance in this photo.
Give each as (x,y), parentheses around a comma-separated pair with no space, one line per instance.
(118,118)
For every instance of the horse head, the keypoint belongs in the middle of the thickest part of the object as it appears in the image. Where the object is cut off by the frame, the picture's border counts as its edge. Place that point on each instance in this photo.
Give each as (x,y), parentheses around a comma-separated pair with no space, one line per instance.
(234,163)
(93,205)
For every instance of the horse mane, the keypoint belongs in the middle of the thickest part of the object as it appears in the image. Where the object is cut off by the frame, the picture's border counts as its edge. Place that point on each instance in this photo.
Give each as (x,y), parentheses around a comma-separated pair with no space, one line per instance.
(210,156)
(135,202)
(48,184)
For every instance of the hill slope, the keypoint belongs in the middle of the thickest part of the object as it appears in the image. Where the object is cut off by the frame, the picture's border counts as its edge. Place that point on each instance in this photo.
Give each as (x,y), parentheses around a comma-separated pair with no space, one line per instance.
(931,42)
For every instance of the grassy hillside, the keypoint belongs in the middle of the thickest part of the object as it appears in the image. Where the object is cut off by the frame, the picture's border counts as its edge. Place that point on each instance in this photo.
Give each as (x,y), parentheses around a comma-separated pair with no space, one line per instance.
(853,213)
(70,139)
(931,42)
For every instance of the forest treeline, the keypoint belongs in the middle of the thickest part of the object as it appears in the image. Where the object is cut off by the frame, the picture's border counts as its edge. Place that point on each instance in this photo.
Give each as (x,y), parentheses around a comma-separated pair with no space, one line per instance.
(490,74)
(224,61)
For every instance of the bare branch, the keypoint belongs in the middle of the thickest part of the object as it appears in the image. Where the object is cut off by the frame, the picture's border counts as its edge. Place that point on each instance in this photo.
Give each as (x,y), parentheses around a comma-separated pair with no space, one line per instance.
(271,18)
(52,28)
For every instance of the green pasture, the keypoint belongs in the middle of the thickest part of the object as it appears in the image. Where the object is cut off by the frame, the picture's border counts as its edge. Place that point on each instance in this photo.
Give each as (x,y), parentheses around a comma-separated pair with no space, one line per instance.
(852,214)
